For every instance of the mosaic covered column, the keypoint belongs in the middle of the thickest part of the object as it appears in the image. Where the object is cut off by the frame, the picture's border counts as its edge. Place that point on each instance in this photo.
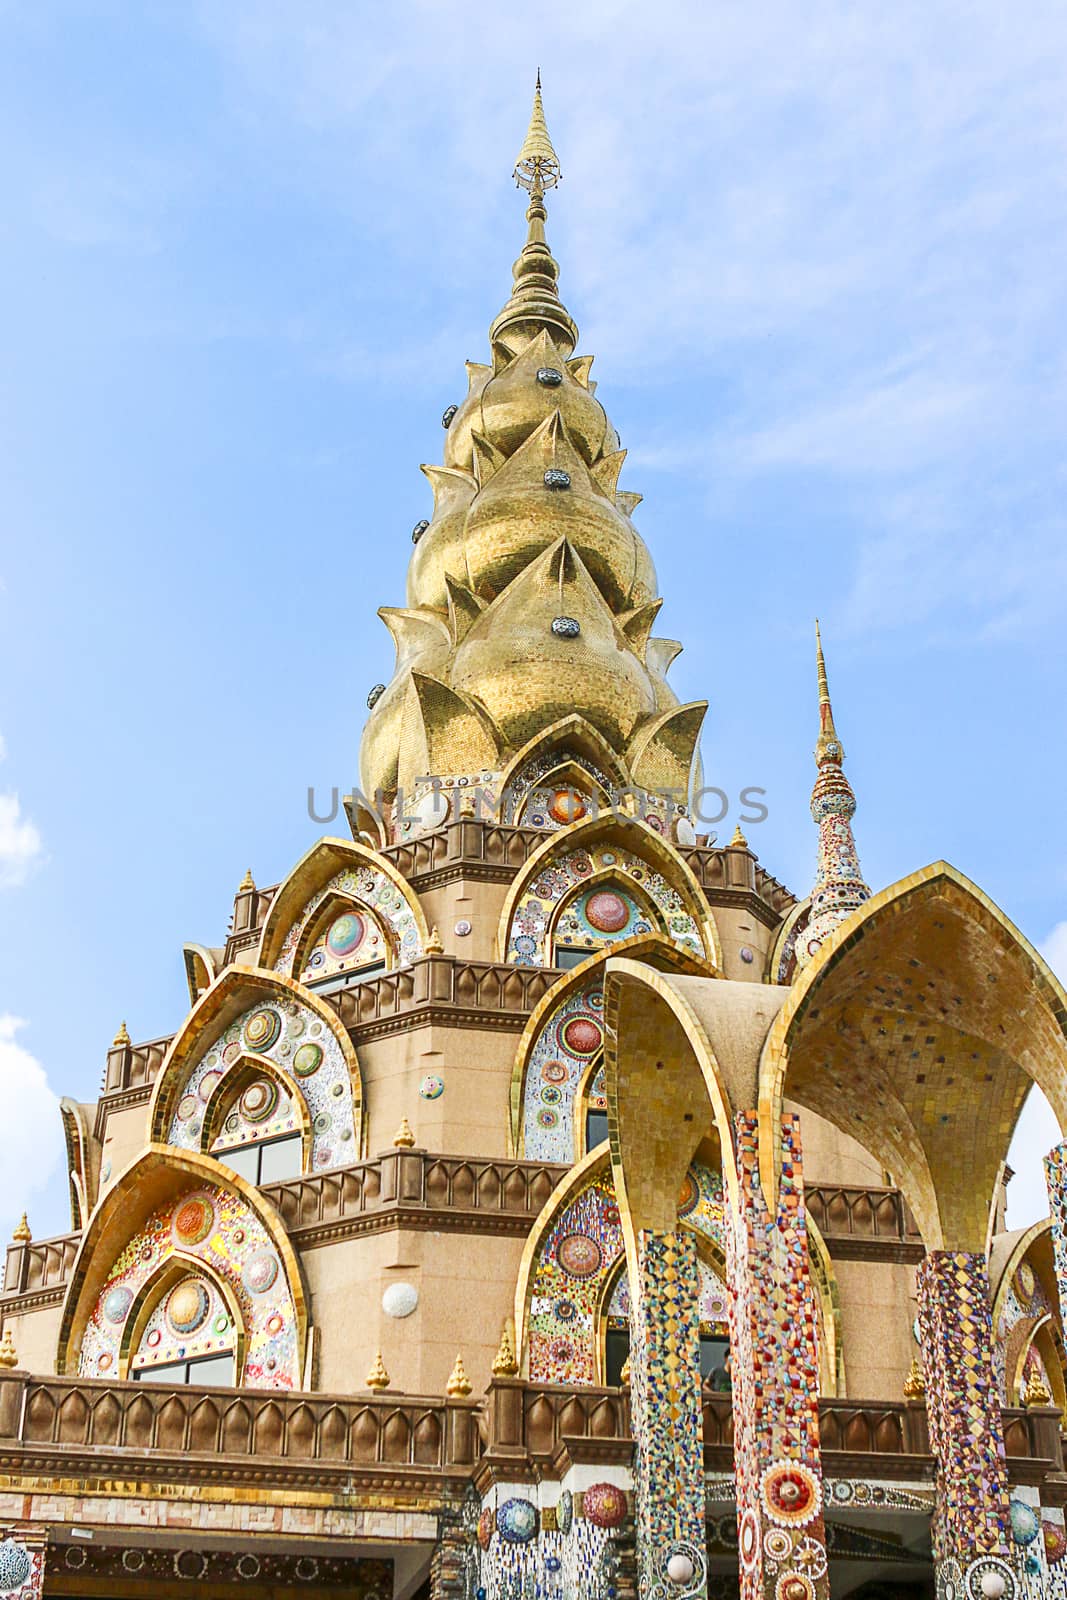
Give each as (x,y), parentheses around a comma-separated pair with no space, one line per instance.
(665,1402)
(970,1526)
(774,1361)
(1056,1180)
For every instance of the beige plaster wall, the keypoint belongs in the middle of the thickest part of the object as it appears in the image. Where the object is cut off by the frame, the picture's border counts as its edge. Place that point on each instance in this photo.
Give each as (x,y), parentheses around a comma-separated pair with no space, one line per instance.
(466,1288)
(877,1311)
(469,1118)
(35,1336)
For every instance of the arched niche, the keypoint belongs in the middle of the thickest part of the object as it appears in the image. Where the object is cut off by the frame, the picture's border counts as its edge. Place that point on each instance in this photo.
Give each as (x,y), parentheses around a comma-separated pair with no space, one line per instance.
(296,1038)
(576,1252)
(614,1322)
(568,759)
(343,937)
(1027,1325)
(362,881)
(624,853)
(81,1164)
(918,1029)
(258,1122)
(782,964)
(185,1325)
(174,1214)
(553,1059)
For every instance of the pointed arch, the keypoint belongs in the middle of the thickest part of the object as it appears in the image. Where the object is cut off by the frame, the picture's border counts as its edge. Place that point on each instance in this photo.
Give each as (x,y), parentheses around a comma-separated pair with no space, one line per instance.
(570,742)
(201,970)
(917,1029)
(149,1305)
(1026,1310)
(541,1040)
(80,1165)
(250,1011)
(782,959)
(636,853)
(289,1115)
(180,1205)
(352,869)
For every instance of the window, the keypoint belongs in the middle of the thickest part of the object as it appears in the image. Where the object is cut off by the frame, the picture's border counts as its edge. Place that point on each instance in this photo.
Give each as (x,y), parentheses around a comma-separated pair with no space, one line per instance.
(596,1129)
(715,1362)
(616,1350)
(214,1371)
(568,956)
(268,1162)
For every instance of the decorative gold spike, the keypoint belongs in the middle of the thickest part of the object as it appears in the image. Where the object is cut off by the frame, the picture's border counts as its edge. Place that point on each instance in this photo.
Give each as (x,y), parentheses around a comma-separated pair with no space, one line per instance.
(477,372)
(415,630)
(22,1234)
(403,1138)
(459,1385)
(738,842)
(914,1383)
(8,1354)
(579,368)
(605,472)
(663,750)
(504,1363)
(435,944)
(828,747)
(1036,1392)
(660,654)
(247,882)
(637,625)
(628,502)
(377,1377)
(537,167)
(456,734)
(464,608)
(624,1375)
(122,1037)
(487,458)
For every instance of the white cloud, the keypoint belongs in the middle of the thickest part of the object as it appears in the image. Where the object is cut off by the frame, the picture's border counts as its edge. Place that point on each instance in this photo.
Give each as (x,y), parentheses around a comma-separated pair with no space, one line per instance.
(33,1127)
(21,847)
(1037,1130)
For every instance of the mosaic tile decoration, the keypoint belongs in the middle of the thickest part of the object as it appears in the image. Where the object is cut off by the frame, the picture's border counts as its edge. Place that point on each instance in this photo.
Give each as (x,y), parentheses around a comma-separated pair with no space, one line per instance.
(569,1555)
(191,1319)
(971,1519)
(575,1273)
(214,1227)
(631,881)
(1056,1181)
(570,1042)
(1024,1307)
(352,939)
(712,1300)
(775,1369)
(307,1053)
(372,889)
(21,1570)
(666,1404)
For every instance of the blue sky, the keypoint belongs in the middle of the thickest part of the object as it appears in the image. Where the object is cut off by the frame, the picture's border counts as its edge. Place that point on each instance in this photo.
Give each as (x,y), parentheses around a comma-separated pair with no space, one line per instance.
(246,247)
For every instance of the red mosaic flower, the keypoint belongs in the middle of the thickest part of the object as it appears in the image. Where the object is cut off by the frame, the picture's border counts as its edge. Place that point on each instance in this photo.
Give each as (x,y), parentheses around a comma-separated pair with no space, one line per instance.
(604,1505)
(486,1524)
(1055,1542)
(582,1036)
(579,1256)
(790,1493)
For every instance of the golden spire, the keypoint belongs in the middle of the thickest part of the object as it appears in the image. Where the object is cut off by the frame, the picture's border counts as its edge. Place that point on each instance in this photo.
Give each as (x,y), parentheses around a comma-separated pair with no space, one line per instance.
(459,1385)
(434,944)
(535,304)
(247,882)
(828,747)
(403,1138)
(738,842)
(504,1363)
(22,1234)
(914,1383)
(122,1037)
(537,167)
(8,1354)
(377,1377)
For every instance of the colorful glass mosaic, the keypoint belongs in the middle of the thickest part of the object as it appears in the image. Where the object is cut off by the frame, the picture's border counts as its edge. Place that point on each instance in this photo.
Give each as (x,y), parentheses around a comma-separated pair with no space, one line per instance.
(214,1227)
(190,1320)
(578,1280)
(569,1044)
(665,1401)
(372,890)
(305,1051)
(552,913)
(774,1345)
(972,1519)
(539,802)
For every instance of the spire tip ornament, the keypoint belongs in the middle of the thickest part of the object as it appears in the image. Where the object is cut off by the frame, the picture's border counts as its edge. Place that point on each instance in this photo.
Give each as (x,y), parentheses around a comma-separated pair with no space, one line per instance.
(914,1383)
(403,1138)
(459,1385)
(377,1377)
(504,1363)
(537,167)
(8,1354)
(22,1234)
(122,1037)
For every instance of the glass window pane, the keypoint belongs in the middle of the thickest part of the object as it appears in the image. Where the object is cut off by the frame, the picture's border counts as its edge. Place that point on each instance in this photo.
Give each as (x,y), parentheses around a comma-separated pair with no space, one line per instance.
(214,1370)
(244,1161)
(615,1353)
(568,956)
(282,1158)
(715,1362)
(596,1128)
(167,1372)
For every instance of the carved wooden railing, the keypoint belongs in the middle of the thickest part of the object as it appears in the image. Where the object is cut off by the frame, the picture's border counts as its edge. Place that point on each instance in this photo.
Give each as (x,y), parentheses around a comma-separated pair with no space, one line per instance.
(416,1180)
(373,1430)
(443,981)
(40,1265)
(861,1213)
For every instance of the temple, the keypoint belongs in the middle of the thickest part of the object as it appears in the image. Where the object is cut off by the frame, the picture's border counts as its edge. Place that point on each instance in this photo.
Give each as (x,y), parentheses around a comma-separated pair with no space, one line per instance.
(538,1199)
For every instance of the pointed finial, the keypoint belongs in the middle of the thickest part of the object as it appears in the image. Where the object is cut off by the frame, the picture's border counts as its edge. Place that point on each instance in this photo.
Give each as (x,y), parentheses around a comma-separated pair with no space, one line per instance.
(247,882)
(624,1375)
(504,1363)
(434,945)
(914,1383)
(377,1377)
(738,842)
(459,1385)
(122,1037)
(8,1354)
(403,1138)
(828,747)
(537,167)
(22,1234)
